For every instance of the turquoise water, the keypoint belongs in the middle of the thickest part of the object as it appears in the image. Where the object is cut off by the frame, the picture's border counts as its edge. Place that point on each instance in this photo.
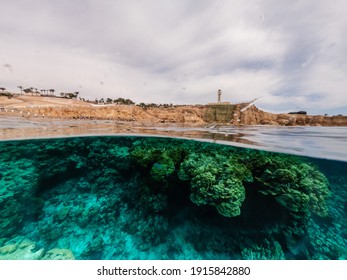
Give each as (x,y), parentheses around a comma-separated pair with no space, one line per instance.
(127,197)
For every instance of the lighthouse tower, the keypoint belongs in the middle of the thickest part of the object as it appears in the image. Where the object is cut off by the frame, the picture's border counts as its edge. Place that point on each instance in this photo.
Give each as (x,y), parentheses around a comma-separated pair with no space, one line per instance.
(219,100)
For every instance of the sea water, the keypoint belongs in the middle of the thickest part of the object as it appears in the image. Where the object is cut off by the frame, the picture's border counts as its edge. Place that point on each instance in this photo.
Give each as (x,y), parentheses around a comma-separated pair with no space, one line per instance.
(136,197)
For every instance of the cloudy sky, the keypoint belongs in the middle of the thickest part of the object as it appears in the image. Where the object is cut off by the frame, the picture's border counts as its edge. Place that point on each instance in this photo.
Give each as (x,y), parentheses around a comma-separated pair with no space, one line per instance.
(290,54)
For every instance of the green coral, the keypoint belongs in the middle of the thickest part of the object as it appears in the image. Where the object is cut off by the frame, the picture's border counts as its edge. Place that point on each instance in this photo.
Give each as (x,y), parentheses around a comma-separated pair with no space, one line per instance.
(159,160)
(214,181)
(298,186)
(161,170)
(218,177)
(265,250)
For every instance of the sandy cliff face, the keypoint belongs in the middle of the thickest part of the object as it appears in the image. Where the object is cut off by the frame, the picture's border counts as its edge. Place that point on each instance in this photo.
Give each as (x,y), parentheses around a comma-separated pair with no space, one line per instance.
(49,107)
(185,114)
(178,114)
(254,116)
(235,114)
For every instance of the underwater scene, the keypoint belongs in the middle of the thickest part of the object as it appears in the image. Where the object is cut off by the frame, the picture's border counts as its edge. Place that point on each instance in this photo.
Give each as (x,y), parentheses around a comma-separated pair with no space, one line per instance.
(140,198)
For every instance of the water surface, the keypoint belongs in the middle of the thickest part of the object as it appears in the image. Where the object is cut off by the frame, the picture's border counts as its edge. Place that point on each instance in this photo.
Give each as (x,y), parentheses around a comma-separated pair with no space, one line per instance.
(320,142)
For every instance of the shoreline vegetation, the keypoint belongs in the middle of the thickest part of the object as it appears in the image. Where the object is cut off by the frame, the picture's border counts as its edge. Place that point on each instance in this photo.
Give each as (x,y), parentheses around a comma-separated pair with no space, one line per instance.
(46,105)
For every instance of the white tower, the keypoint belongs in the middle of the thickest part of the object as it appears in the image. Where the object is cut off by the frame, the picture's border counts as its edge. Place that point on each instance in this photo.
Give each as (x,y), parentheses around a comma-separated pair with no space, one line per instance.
(219,92)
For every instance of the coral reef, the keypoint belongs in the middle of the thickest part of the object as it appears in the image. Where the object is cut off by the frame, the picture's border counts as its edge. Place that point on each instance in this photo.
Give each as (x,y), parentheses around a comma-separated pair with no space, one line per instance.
(214,181)
(266,250)
(161,198)
(298,186)
(161,161)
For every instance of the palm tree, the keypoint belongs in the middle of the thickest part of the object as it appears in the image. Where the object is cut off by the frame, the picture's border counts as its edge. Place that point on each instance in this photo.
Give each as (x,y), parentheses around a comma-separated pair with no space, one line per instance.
(51,91)
(27,90)
(21,89)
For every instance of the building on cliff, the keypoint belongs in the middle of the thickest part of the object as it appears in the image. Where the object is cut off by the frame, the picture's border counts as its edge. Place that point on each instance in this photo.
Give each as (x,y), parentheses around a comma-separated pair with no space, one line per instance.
(220,112)
(219,99)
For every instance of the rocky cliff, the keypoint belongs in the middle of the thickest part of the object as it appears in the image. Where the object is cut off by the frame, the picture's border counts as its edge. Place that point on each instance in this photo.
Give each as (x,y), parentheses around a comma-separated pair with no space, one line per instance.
(234,114)
(254,116)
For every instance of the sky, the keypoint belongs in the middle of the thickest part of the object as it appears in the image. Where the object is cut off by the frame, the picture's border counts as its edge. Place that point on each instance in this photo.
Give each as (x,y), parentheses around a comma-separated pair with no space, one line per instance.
(290,55)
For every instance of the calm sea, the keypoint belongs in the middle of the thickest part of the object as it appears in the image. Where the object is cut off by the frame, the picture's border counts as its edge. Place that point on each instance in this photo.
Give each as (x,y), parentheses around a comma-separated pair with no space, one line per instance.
(122,192)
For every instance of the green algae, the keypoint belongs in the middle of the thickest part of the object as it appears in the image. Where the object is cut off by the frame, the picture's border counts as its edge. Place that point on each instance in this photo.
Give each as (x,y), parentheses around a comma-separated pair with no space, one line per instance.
(145,198)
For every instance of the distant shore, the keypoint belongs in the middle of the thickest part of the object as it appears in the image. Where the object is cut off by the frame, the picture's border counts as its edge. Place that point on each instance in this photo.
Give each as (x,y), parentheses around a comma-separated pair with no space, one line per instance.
(38,107)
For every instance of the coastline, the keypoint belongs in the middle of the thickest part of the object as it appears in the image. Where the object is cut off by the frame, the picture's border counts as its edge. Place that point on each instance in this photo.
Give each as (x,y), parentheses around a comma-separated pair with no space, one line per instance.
(52,108)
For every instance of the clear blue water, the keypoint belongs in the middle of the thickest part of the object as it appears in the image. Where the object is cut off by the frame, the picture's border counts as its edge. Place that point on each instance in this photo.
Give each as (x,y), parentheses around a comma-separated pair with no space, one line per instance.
(132,197)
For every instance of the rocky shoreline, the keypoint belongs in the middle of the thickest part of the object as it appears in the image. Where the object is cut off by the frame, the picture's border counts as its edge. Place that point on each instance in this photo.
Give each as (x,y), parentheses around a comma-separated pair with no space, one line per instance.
(192,115)
(254,116)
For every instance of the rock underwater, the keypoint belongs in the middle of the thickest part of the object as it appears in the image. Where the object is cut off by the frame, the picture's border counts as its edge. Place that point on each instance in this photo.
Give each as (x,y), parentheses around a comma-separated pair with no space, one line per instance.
(21,248)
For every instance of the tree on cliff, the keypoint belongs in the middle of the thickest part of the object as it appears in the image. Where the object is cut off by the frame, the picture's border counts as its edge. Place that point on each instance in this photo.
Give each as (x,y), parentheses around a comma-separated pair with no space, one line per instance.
(28,90)
(69,95)
(124,101)
(143,105)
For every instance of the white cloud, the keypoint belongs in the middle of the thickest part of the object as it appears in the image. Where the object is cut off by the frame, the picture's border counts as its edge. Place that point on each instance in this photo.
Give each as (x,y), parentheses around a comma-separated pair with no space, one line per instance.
(291,52)
(330,81)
